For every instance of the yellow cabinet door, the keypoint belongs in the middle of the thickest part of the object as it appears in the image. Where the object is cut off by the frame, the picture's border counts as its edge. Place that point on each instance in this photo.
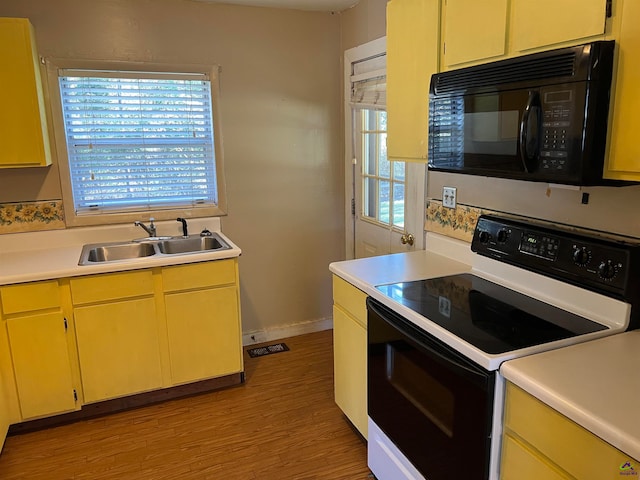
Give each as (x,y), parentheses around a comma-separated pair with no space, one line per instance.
(23,124)
(204,334)
(474,30)
(4,411)
(412,57)
(41,364)
(540,23)
(118,348)
(350,368)
(558,440)
(520,462)
(623,161)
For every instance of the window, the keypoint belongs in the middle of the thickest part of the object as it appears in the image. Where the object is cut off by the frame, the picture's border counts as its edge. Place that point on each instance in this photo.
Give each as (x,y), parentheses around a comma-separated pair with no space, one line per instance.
(383,181)
(139,141)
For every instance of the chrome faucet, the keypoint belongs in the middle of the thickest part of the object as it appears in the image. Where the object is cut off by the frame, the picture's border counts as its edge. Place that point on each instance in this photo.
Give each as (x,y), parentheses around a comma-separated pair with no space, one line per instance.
(151,229)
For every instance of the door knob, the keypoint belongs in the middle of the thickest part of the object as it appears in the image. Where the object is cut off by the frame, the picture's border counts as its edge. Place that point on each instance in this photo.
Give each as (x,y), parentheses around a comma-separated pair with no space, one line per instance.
(407,238)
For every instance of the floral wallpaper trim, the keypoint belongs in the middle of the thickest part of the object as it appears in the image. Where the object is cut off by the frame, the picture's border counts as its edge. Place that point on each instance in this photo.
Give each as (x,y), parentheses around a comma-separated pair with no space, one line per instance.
(457,223)
(31,216)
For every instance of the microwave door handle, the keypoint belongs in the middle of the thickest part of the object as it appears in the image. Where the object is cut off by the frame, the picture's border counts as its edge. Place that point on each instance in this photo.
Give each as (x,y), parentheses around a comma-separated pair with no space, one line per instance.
(530,128)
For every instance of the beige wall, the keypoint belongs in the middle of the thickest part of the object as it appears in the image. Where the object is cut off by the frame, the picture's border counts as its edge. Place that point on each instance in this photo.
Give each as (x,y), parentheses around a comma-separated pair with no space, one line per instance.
(363,23)
(610,209)
(281,114)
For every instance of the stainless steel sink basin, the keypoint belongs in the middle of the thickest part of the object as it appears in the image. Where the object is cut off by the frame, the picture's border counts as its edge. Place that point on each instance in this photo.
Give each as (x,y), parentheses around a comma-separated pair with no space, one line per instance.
(111,253)
(158,246)
(191,244)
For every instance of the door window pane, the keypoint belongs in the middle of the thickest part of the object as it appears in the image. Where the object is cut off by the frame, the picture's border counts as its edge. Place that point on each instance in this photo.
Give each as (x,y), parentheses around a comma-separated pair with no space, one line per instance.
(383,181)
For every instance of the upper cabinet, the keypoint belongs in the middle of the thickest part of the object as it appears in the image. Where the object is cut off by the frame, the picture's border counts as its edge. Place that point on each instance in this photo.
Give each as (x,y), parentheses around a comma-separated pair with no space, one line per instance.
(623,161)
(478,32)
(474,30)
(412,57)
(23,123)
(540,23)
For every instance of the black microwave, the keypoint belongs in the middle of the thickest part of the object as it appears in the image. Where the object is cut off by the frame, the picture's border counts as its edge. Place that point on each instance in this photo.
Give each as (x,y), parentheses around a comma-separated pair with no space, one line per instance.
(540,117)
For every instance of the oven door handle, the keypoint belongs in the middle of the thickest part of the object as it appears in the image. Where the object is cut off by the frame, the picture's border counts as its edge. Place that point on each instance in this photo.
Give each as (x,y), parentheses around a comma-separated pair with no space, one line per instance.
(445,354)
(530,129)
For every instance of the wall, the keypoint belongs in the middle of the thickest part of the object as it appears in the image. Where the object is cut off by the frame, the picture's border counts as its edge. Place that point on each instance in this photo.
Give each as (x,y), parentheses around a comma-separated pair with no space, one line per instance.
(280,98)
(362,23)
(610,209)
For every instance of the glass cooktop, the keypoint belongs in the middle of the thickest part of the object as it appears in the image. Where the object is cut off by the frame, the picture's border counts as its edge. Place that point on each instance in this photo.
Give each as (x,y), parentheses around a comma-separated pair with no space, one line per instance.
(489,316)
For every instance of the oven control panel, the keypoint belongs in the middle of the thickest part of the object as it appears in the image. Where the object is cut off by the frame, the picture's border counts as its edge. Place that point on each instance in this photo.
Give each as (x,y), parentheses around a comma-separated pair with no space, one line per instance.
(584,258)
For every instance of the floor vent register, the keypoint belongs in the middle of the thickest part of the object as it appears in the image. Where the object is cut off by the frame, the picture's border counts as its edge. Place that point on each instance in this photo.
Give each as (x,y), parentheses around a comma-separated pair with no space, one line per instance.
(267,350)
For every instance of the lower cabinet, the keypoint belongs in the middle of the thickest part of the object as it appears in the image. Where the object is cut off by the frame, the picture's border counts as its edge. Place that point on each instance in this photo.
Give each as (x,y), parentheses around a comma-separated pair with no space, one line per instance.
(69,342)
(350,352)
(41,364)
(118,348)
(539,443)
(203,320)
(203,332)
(37,338)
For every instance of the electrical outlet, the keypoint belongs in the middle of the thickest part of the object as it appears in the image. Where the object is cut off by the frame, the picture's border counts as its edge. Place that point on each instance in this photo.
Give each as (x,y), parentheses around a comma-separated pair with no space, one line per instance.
(449,197)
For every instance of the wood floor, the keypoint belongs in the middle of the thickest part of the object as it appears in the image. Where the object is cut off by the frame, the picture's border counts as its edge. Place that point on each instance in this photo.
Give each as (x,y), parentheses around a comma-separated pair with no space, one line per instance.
(281,424)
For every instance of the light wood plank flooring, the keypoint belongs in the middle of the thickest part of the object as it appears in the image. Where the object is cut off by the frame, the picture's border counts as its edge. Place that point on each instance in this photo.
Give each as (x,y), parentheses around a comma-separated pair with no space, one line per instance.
(281,424)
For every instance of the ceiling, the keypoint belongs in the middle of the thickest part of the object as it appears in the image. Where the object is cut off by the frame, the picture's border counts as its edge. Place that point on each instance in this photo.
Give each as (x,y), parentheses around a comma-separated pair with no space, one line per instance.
(315,5)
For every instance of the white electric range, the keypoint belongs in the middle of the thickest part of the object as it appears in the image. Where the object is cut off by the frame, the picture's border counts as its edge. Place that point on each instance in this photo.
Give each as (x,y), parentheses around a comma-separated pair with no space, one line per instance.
(435,344)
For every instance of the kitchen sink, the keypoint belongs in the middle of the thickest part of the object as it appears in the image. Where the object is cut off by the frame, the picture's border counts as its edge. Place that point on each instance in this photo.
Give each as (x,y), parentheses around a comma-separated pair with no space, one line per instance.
(158,247)
(191,244)
(111,253)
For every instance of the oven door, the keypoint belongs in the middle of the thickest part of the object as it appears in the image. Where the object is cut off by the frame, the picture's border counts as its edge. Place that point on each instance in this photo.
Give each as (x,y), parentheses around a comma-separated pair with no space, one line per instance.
(431,402)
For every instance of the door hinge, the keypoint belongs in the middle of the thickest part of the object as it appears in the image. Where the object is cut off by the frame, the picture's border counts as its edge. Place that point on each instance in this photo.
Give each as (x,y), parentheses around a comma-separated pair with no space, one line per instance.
(66,326)
(609,8)
(75,395)
(353,206)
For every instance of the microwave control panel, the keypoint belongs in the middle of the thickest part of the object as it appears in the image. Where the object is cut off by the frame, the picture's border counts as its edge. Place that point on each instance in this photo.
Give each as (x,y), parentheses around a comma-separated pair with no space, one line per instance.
(555,138)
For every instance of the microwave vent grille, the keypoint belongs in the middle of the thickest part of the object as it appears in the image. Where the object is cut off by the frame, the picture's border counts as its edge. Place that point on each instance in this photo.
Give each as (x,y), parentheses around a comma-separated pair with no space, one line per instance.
(561,65)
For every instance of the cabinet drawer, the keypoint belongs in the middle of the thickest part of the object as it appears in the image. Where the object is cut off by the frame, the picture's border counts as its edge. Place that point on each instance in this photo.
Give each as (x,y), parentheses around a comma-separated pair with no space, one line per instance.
(350,299)
(111,286)
(521,463)
(30,296)
(198,275)
(576,450)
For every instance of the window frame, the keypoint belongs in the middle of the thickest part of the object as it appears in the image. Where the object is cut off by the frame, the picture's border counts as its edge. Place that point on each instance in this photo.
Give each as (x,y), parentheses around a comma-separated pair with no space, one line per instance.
(54,65)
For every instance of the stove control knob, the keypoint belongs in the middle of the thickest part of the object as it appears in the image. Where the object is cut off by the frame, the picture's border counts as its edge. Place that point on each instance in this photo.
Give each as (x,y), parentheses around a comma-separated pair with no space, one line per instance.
(607,270)
(484,236)
(503,235)
(581,256)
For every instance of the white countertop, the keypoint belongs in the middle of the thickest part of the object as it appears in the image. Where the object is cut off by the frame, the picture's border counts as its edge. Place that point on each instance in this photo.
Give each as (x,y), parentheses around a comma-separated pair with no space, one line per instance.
(596,384)
(28,257)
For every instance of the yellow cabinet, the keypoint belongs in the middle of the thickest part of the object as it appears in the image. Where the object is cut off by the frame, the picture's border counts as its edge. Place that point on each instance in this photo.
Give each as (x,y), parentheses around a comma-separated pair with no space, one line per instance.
(540,23)
(41,364)
(37,337)
(117,334)
(203,320)
(350,352)
(540,443)
(23,123)
(204,334)
(474,30)
(412,57)
(623,159)
(5,416)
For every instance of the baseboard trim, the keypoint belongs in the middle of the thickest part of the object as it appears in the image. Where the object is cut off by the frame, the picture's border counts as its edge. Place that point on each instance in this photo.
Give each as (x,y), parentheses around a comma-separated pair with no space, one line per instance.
(277,333)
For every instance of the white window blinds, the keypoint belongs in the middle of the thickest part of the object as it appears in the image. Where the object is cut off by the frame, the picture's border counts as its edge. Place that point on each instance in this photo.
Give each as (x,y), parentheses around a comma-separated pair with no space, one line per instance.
(368,83)
(138,140)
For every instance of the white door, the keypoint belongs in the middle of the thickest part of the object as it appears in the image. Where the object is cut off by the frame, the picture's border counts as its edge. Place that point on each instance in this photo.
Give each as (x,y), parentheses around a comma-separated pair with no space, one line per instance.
(385,200)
